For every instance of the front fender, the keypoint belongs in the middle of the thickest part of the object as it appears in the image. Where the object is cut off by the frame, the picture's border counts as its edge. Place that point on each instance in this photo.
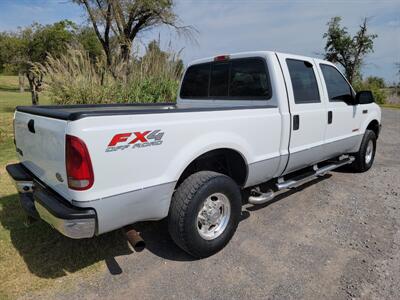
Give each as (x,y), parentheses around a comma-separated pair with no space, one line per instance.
(374,113)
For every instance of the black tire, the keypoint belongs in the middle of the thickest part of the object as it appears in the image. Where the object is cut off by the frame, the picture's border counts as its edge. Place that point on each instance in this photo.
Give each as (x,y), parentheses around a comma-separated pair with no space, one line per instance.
(361,164)
(187,202)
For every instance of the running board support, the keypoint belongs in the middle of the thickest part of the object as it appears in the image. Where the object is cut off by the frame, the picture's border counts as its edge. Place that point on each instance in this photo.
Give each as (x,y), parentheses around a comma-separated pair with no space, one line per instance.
(260,198)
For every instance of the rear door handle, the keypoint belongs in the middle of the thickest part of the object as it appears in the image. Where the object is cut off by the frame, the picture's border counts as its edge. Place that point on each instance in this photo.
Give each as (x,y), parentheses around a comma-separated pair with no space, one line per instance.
(365,111)
(330,117)
(296,122)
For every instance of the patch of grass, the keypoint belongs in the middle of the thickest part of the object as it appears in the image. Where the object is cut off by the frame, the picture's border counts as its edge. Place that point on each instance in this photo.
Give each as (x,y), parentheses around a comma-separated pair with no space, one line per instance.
(73,78)
(397,106)
(37,258)
(10,83)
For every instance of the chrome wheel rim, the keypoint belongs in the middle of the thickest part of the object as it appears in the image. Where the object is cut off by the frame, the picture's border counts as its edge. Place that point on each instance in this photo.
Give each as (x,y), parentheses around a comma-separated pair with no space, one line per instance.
(213,216)
(369,152)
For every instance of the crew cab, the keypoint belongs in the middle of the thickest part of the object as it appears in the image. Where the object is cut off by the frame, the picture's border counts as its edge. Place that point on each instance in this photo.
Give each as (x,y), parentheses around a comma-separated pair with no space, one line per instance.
(244,127)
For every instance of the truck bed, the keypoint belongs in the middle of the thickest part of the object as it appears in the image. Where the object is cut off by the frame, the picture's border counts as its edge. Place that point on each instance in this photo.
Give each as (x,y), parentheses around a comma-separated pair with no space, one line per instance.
(79,111)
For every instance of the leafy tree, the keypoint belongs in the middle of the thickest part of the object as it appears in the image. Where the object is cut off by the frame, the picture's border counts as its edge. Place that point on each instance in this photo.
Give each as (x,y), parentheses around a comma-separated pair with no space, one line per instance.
(87,38)
(121,21)
(11,56)
(27,46)
(40,41)
(374,84)
(379,82)
(349,51)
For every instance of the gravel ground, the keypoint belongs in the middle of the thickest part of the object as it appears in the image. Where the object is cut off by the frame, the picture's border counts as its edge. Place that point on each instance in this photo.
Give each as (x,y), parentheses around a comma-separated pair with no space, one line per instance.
(336,238)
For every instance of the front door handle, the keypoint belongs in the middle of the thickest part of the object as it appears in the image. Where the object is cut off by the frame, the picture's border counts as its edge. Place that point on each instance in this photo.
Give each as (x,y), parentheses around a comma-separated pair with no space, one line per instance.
(296,122)
(330,117)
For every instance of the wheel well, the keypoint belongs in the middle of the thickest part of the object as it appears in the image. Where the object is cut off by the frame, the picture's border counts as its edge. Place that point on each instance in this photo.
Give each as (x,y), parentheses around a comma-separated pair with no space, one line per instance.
(374,126)
(225,161)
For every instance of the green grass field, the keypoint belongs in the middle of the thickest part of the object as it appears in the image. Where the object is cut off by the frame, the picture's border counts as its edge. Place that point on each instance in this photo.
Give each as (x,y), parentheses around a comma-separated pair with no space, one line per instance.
(37,258)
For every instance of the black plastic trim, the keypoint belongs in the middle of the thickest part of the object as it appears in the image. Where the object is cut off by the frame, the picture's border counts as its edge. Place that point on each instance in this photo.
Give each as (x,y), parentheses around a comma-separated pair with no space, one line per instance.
(57,208)
(51,111)
(18,172)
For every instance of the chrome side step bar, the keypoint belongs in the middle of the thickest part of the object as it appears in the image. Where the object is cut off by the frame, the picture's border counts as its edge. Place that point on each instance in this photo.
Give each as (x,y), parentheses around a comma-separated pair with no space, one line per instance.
(295,182)
(260,198)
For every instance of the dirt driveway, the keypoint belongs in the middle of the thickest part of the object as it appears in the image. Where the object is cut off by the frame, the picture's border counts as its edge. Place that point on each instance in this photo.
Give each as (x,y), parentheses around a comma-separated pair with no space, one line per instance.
(336,238)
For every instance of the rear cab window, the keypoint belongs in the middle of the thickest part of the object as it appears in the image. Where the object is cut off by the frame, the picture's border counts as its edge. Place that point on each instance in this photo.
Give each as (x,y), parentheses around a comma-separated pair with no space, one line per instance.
(196,82)
(234,79)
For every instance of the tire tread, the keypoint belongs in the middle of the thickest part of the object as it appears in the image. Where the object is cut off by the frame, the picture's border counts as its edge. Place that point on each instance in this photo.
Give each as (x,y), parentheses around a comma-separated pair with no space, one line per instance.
(179,207)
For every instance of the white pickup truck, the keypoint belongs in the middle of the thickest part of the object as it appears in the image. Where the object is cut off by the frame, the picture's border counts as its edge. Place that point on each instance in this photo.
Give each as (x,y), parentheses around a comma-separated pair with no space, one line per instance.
(244,127)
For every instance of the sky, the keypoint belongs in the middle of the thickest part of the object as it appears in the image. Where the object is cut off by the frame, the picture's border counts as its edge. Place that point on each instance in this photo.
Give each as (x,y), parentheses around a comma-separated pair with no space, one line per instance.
(228,26)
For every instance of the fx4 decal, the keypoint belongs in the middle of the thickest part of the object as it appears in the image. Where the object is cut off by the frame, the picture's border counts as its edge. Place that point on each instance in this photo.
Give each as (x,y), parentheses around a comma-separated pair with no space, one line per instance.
(122,141)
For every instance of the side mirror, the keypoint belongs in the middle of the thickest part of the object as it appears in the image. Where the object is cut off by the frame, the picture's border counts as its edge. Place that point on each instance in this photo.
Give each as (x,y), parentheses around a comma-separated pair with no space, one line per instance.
(364,97)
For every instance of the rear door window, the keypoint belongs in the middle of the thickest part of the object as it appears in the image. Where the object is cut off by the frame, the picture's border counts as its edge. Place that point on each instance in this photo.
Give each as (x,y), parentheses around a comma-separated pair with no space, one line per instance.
(304,83)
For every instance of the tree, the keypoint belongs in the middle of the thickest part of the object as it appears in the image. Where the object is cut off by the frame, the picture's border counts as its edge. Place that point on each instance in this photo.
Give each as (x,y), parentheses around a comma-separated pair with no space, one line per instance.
(30,45)
(22,49)
(379,82)
(121,21)
(87,38)
(40,41)
(11,55)
(374,84)
(346,50)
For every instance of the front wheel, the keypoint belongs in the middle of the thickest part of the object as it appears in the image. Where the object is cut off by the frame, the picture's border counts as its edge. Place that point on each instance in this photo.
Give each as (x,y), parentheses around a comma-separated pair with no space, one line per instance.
(204,213)
(364,158)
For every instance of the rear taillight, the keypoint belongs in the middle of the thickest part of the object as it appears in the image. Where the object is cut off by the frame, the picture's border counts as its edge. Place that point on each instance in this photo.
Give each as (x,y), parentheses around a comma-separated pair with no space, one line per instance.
(78,163)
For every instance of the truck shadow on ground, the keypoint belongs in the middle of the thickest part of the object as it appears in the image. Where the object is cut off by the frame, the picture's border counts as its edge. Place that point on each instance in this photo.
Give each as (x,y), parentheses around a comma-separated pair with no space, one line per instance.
(49,254)
(159,242)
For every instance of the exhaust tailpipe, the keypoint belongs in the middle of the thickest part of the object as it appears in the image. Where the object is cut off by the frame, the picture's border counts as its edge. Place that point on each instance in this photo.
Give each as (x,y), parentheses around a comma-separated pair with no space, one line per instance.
(261,198)
(135,239)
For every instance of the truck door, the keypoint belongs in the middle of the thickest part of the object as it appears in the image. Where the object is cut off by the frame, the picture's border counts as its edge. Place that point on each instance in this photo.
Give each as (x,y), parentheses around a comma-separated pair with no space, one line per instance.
(307,109)
(343,132)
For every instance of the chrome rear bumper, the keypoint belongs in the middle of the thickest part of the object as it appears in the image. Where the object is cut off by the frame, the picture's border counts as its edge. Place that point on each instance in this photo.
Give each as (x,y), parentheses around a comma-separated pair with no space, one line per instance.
(41,202)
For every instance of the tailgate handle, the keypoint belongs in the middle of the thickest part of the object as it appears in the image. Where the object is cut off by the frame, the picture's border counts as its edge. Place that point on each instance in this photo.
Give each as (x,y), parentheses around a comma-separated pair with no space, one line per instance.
(31,126)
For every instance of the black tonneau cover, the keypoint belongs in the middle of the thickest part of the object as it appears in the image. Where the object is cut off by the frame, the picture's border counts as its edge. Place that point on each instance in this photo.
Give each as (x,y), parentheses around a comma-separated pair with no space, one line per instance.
(79,111)
(75,112)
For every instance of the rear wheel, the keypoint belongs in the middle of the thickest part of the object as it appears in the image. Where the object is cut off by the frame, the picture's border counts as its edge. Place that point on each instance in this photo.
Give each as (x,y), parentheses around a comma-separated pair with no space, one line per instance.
(204,213)
(364,158)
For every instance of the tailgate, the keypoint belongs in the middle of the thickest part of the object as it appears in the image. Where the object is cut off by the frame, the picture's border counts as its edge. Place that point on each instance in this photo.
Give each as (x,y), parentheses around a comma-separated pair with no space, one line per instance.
(40,143)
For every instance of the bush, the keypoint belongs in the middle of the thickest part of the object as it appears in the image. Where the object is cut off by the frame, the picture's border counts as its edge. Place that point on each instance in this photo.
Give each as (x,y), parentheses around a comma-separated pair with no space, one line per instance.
(375,85)
(74,78)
